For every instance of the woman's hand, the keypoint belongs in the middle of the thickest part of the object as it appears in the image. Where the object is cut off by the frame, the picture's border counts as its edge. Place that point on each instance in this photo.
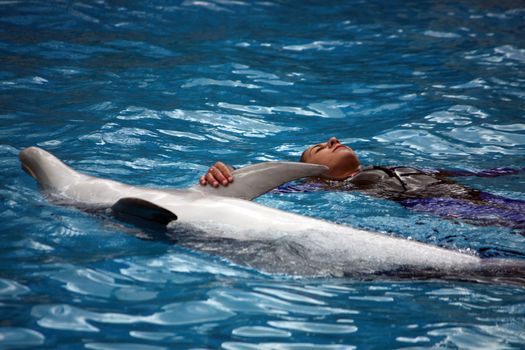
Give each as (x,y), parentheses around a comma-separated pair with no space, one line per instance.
(218,174)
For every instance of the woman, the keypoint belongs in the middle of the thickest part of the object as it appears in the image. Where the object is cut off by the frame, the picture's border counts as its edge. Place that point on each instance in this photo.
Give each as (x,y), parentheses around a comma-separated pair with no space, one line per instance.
(423,191)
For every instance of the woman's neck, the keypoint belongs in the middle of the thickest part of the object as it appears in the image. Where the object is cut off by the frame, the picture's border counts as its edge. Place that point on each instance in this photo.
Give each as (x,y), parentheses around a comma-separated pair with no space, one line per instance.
(345,175)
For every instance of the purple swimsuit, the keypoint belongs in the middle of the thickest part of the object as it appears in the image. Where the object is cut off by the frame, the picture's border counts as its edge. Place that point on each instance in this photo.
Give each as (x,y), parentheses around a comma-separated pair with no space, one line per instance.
(430,192)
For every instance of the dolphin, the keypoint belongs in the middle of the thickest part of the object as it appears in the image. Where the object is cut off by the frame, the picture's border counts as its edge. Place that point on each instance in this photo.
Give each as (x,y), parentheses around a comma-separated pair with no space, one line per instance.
(226,222)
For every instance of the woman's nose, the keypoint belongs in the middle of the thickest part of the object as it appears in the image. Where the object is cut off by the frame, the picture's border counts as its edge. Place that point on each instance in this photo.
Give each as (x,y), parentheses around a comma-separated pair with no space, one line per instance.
(332,141)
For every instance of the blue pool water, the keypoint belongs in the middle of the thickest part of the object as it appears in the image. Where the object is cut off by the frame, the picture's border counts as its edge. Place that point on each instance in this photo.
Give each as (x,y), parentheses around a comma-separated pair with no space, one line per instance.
(152,93)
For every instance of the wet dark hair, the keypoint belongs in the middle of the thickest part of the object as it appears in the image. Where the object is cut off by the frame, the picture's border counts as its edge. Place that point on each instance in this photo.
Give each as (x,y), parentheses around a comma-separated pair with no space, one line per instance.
(303,156)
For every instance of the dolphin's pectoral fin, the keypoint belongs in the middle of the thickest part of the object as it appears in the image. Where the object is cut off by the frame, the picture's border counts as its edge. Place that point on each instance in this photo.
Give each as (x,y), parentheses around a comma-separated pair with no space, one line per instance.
(138,211)
(254,180)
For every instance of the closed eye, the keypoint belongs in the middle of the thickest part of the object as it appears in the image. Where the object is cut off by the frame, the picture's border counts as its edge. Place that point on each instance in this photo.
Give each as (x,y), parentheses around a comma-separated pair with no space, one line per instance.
(316,149)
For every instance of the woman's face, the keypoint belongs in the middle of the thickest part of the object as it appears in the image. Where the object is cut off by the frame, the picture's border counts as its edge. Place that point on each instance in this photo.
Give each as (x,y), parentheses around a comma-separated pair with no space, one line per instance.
(341,159)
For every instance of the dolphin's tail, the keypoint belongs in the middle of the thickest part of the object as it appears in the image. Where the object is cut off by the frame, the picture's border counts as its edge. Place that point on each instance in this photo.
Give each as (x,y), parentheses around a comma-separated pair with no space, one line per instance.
(47,169)
(492,270)
(503,270)
(489,270)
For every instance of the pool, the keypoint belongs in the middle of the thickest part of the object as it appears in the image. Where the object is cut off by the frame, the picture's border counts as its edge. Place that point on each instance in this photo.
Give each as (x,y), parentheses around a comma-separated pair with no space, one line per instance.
(152,94)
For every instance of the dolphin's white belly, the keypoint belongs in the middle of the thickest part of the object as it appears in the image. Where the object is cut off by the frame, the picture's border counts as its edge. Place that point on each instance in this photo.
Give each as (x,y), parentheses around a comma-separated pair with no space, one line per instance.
(243,220)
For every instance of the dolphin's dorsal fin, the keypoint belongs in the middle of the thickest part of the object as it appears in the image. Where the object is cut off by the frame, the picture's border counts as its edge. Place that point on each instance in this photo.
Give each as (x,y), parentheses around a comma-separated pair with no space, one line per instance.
(254,180)
(136,210)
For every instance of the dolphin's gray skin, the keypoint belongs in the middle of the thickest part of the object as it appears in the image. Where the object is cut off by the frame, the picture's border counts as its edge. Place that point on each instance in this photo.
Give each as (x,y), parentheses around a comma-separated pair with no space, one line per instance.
(310,246)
